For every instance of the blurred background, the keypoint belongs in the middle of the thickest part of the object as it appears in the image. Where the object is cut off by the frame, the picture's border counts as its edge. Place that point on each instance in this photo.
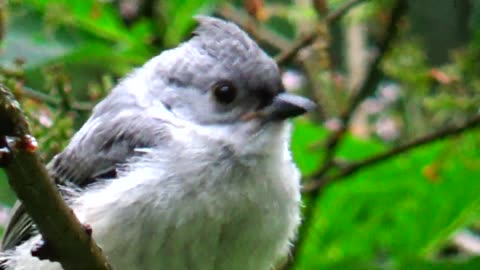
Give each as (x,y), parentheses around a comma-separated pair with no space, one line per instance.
(391,158)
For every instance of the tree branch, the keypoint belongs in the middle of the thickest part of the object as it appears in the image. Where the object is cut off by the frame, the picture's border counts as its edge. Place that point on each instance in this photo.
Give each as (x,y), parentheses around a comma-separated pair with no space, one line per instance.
(41,97)
(352,168)
(289,54)
(67,239)
(365,89)
(257,31)
(338,13)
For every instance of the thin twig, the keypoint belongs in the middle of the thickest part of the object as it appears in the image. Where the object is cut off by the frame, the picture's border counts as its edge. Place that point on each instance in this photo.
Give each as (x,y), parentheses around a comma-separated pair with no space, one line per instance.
(352,168)
(65,236)
(19,74)
(339,12)
(44,98)
(63,91)
(258,32)
(287,55)
(366,88)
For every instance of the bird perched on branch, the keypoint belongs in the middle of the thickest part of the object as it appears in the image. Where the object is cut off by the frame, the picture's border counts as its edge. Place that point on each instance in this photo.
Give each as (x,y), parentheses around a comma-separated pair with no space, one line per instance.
(185,165)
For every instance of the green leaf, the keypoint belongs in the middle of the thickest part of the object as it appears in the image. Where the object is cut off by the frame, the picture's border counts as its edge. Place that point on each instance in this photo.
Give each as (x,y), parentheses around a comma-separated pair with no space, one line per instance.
(306,150)
(179,17)
(95,17)
(407,207)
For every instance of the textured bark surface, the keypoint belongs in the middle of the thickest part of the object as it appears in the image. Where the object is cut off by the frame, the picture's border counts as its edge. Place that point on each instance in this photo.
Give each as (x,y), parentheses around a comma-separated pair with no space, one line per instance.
(68,241)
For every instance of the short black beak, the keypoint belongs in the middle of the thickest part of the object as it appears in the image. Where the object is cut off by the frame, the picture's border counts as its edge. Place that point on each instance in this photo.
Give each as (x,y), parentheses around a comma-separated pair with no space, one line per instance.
(286,105)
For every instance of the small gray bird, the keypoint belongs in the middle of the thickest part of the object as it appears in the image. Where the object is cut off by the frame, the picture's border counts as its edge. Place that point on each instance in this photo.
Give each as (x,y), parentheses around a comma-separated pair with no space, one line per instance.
(185,165)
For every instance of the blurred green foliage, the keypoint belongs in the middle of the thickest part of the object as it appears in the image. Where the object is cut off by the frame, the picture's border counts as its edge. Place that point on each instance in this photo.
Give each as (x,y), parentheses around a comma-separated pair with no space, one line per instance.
(400,214)
(401,210)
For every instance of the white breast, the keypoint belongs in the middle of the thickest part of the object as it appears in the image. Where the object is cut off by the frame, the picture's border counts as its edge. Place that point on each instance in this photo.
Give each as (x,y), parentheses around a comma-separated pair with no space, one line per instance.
(203,210)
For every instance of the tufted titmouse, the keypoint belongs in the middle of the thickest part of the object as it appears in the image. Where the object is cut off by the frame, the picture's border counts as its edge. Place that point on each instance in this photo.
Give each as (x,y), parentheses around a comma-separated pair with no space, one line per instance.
(185,165)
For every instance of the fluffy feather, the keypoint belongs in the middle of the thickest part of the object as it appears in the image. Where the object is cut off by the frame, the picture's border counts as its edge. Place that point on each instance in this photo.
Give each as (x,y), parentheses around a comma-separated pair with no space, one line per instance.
(168,179)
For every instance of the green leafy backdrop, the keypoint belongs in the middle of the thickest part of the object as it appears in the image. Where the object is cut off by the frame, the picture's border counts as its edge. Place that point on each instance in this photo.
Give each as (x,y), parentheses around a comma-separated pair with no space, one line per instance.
(60,57)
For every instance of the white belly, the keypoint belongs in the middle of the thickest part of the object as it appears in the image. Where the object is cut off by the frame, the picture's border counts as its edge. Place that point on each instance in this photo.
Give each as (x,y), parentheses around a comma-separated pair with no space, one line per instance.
(235,227)
(222,217)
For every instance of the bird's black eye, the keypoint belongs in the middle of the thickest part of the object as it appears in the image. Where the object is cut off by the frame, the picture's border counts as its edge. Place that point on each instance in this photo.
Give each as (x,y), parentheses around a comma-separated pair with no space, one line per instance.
(224,92)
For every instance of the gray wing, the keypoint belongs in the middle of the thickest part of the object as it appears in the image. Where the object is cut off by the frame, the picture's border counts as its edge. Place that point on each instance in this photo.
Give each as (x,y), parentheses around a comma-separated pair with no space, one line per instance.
(106,141)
